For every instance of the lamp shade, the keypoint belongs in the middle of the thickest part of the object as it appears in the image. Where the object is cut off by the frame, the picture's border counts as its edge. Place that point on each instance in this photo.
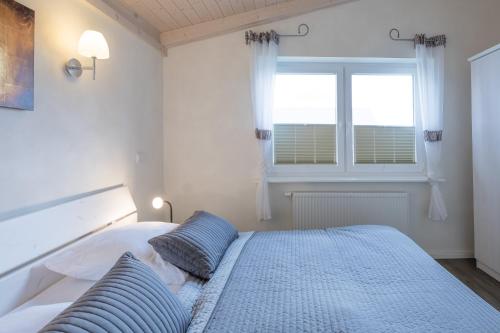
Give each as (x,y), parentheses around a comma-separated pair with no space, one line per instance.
(93,44)
(157,203)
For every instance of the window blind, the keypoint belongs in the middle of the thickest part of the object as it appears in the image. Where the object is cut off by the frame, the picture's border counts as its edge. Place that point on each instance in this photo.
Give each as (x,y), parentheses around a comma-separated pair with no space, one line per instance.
(305,144)
(384,145)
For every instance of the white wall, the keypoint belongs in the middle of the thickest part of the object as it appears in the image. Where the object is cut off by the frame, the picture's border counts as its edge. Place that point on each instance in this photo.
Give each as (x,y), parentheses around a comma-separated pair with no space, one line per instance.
(83,134)
(210,150)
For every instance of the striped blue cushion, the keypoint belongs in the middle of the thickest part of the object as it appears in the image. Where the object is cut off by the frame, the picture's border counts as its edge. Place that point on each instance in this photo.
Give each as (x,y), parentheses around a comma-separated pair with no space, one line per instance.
(198,245)
(129,298)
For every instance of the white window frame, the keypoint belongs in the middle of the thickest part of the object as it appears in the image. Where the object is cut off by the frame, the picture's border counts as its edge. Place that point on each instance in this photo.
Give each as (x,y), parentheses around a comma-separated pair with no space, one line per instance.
(317,170)
(381,68)
(346,169)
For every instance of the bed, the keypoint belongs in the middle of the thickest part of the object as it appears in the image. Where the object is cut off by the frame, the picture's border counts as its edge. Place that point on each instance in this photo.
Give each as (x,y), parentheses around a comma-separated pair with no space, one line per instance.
(352,279)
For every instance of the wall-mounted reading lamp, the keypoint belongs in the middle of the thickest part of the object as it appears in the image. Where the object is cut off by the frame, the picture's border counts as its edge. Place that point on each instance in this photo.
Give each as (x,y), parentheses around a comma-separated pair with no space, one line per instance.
(158,203)
(92,45)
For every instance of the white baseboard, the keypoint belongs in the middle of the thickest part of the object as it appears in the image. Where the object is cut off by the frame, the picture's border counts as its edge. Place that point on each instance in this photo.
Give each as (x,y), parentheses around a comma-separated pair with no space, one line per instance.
(490,271)
(451,254)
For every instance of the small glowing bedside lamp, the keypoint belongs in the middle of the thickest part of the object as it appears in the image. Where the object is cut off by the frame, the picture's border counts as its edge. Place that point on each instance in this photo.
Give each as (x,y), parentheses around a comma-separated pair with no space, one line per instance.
(158,203)
(93,45)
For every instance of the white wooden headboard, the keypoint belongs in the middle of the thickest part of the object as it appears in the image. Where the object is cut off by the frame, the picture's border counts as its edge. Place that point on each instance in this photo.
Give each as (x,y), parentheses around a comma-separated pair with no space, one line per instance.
(26,241)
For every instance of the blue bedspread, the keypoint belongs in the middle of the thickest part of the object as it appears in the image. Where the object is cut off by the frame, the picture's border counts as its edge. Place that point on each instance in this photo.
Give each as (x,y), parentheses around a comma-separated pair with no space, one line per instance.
(354,279)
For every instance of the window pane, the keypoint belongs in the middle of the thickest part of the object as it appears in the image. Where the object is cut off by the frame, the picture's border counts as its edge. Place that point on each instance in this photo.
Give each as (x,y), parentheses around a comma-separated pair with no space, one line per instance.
(383,119)
(382,100)
(304,117)
(305,99)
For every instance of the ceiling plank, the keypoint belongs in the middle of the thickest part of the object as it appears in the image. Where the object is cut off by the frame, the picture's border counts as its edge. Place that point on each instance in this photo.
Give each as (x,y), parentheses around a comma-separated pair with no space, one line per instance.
(244,20)
(237,6)
(225,6)
(213,8)
(249,5)
(175,12)
(260,3)
(201,10)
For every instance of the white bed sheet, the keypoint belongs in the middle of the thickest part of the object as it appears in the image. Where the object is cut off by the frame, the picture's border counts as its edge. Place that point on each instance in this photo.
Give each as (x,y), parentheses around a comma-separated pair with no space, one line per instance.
(69,289)
(66,290)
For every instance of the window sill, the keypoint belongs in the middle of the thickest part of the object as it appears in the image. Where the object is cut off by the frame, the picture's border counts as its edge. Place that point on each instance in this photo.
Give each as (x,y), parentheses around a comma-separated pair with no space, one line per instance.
(360,179)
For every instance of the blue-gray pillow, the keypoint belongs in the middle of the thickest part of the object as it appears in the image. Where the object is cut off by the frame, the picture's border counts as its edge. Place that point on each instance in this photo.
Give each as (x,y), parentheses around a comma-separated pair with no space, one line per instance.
(198,245)
(129,298)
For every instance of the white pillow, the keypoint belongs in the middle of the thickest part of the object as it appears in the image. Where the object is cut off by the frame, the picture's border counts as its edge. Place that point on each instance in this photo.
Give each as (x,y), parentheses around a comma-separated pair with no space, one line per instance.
(31,319)
(90,259)
(173,276)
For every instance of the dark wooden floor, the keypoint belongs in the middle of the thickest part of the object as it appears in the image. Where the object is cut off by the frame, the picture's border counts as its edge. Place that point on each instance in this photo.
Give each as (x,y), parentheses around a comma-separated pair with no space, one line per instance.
(483,284)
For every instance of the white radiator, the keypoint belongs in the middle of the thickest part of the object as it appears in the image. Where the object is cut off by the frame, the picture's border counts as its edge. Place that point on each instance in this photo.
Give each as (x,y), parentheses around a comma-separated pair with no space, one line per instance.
(316,210)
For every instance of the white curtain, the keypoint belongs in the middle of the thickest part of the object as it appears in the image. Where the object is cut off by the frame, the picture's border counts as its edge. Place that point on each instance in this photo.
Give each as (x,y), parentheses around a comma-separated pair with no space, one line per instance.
(430,71)
(264,57)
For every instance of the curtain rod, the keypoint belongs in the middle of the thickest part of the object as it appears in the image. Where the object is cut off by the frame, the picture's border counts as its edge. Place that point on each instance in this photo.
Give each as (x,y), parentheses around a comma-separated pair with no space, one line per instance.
(302,31)
(418,39)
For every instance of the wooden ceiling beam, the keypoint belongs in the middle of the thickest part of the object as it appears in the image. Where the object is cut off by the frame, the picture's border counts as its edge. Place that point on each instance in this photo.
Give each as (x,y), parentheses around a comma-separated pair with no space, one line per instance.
(129,20)
(263,15)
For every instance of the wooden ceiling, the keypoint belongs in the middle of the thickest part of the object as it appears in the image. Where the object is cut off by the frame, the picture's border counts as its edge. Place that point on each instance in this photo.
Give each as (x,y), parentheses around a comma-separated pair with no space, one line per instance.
(176,22)
(167,15)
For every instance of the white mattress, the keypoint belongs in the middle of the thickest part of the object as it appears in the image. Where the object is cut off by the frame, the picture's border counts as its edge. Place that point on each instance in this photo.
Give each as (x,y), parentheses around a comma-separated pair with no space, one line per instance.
(66,290)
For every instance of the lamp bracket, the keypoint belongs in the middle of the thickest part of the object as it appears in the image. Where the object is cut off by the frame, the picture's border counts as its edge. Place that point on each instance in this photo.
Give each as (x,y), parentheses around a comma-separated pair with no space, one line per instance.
(74,68)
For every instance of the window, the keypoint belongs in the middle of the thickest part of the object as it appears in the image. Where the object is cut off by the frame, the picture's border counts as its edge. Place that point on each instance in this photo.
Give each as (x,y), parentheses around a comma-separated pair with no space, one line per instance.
(345,119)
(304,119)
(383,119)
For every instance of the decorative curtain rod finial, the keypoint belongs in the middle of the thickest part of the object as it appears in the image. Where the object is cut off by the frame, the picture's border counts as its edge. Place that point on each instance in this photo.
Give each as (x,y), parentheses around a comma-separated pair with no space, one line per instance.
(439,40)
(302,31)
(397,36)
